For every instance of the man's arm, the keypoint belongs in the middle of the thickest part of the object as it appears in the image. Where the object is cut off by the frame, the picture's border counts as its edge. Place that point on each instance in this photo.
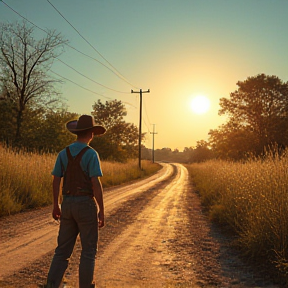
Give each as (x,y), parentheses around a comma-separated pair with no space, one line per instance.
(56,188)
(98,193)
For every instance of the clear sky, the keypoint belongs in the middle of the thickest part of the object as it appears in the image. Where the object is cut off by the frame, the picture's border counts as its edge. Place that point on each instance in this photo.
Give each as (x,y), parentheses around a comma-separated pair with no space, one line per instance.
(179,49)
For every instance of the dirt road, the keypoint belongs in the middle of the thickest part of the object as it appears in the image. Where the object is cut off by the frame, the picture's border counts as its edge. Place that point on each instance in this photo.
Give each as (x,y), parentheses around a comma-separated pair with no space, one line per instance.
(155,236)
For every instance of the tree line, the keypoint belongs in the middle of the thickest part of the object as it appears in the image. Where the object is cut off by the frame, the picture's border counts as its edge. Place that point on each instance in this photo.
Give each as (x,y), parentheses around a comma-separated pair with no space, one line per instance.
(33,114)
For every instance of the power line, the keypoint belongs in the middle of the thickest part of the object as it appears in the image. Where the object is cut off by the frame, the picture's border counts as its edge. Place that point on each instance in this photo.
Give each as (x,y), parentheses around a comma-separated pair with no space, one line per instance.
(146,125)
(87,41)
(118,74)
(101,64)
(77,50)
(80,85)
(89,89)
(115,70)
(145,109)
(91,79)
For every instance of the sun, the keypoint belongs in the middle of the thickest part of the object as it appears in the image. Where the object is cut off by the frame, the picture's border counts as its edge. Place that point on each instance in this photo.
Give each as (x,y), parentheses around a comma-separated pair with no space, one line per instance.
(200,104)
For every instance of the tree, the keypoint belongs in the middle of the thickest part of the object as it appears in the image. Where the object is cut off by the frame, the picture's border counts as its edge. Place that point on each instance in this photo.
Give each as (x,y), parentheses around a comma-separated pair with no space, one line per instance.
(45,130)
(202,152)
(24,66)
(260,108)
(121,139)
(7,122)
(232,141)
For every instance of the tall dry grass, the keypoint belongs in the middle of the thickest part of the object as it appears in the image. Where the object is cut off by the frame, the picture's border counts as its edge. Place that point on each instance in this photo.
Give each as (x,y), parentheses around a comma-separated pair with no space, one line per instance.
(26,181)
(116,173)
(252,198)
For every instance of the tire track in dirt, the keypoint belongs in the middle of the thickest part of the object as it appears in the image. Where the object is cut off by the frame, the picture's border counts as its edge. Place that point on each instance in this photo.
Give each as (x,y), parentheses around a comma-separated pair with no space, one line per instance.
(162,239)
(28,236)
(118,221)
(155,237)
(25,237)
(139,255)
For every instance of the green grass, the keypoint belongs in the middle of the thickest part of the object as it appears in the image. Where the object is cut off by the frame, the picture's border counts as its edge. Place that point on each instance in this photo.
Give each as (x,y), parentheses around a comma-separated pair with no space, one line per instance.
(252,199)
(26,181)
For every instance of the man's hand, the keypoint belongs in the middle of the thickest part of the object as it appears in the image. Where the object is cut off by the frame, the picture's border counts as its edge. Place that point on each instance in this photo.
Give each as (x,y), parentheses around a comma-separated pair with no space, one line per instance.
(98,194)
(56,214)
(101,220)
(56,188)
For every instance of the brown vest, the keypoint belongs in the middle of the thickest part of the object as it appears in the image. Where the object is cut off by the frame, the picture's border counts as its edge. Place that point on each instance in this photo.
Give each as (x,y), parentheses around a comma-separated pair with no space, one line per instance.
(76,181)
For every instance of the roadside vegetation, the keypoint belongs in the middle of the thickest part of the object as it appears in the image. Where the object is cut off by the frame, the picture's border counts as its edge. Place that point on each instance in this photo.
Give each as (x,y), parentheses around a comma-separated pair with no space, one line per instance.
(26,180)
(251,200)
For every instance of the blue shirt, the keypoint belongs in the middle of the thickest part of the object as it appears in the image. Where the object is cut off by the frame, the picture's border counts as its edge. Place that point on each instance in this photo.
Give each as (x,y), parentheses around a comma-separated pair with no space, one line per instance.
(90,162)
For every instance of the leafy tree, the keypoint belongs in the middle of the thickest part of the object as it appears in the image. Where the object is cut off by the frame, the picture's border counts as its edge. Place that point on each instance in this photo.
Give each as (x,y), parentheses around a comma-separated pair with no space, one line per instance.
(56,136)
(45,130)
(232,141)
(202,152)
(258,111)
(121,139)
(187,154)
(24,66)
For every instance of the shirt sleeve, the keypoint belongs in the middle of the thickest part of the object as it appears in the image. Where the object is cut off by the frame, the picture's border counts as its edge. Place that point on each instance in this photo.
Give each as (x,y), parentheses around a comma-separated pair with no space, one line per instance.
(94,167)
(57,171)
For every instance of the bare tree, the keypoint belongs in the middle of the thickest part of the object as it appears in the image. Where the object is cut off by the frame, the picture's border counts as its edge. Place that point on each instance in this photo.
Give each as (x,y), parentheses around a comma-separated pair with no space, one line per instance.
(24,66)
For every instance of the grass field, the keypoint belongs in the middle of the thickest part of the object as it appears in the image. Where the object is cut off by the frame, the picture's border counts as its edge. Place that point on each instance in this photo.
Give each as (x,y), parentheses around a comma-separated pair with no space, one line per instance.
(26,181)
(251,199)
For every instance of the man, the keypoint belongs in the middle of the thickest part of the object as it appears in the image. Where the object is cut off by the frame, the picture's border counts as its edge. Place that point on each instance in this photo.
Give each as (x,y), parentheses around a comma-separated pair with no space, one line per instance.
(82,209)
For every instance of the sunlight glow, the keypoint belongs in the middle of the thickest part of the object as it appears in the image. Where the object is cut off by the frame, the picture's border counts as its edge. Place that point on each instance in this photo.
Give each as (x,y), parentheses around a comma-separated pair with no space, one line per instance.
(200,104)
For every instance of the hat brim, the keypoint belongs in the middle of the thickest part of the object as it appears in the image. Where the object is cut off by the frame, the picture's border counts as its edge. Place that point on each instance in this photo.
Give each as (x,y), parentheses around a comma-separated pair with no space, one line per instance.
(72,127)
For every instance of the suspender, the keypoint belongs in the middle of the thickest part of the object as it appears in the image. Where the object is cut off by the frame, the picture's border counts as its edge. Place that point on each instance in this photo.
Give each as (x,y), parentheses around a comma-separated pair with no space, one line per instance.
(76,182)
(78,156)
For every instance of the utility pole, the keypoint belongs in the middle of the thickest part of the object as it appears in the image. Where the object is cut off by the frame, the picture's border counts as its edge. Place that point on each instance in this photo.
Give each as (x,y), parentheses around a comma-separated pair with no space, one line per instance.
(140,121)
(153,142)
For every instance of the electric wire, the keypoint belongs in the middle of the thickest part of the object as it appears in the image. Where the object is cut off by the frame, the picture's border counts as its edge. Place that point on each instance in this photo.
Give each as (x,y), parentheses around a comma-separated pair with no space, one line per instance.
(70,66)
(90,78)
(88,56)
(88,42)
(77,50)
(145,109)
(80,85)
(109,98)
(120,76)
(146,126)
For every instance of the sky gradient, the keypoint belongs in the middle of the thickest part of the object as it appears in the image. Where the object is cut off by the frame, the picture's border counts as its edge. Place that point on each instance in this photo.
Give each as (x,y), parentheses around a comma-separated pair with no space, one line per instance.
(177,49)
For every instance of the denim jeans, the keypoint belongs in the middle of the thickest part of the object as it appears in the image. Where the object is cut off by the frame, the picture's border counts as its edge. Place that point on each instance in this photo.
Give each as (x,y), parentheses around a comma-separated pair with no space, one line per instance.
(79,216)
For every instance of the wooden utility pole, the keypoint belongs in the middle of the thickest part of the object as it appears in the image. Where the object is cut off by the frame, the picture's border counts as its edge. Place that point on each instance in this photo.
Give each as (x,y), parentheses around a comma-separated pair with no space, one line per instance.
(153,142)
(140,121)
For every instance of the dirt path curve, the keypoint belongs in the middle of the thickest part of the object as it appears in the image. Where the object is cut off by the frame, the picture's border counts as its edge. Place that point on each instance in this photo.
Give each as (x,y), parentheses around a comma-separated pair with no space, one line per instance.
(162,239)
(136,257)
(26,237)
(155,236)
